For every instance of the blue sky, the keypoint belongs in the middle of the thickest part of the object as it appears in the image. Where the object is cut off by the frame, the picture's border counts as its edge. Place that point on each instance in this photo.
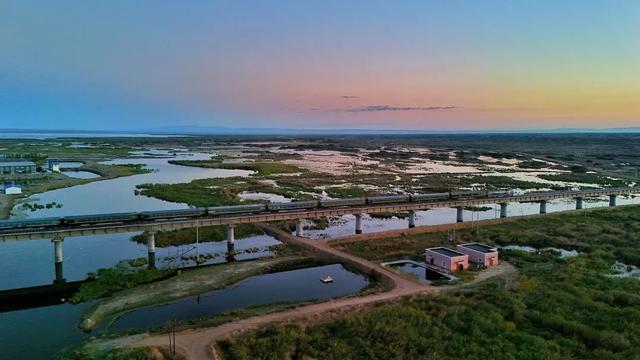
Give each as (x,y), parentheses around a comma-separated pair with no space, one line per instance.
(320,64)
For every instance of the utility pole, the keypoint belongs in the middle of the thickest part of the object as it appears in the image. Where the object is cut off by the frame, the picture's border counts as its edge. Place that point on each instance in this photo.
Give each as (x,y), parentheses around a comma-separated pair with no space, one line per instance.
(197,242)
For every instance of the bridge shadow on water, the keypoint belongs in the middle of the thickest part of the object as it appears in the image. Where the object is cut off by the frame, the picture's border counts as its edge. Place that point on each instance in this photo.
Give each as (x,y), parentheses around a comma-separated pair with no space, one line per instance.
(61,290)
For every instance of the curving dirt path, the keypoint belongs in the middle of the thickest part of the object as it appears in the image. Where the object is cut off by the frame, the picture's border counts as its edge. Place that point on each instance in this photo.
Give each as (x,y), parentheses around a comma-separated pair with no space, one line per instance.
(198,343)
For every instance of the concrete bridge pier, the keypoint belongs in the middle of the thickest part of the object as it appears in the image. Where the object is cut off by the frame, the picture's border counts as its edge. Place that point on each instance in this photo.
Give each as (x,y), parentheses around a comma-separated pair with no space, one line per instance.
(58,259)
(412,219)
(612,199)
(579,203)
(459,212)
(231,239)
(300,228)
(543,207)
(503,210)
(358,223)
(151,249)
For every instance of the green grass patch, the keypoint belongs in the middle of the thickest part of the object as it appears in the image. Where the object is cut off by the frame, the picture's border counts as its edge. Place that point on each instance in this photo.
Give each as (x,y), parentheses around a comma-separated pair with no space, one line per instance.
(585,179)
(342,192)
(108,281)
(138,353)
(214,192)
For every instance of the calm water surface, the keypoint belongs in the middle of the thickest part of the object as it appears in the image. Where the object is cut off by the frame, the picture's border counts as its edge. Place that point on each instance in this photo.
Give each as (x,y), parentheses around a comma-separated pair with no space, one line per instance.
(41,333)
(295,285)
(117,195)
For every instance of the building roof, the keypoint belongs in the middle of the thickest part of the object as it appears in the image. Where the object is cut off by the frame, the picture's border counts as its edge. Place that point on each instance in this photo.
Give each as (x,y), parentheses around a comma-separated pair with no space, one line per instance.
(479,247)
(17,163)
(446,252)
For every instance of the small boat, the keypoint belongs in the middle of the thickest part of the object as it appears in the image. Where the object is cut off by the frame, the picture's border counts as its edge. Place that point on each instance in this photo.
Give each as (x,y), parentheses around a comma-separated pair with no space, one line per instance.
(326,279)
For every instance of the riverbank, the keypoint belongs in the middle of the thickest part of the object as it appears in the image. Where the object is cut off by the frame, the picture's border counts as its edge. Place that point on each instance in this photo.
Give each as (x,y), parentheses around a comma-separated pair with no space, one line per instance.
(43,182)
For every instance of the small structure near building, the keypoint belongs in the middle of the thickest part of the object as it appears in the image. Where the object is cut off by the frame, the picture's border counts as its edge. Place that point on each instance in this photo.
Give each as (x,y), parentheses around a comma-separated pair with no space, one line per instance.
(53,165)
(17,167)
(447,259)
(12,189)
(480,253)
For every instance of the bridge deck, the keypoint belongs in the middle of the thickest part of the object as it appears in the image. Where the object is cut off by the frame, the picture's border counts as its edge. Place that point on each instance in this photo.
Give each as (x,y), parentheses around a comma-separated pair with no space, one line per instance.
(181,223)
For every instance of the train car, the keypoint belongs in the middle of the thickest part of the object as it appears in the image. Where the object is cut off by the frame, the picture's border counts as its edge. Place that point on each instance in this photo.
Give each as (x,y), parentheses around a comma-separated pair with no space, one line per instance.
(429,197)
(29,223)
(294,205)
(387,199)
(236,209)
(328,203)
(500,194)
(169,214)
(99,219)
(467,194)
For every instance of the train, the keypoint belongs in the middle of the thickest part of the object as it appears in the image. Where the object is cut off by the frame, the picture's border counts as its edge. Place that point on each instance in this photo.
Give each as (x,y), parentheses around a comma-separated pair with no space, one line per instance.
(163,215)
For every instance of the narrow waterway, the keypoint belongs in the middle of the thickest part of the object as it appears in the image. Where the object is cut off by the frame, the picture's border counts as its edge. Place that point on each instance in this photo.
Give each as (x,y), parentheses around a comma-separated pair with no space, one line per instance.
(287,286)
(55,326)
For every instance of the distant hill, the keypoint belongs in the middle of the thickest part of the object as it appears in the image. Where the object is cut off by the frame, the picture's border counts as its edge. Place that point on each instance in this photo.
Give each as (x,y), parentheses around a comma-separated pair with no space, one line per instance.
(221,130)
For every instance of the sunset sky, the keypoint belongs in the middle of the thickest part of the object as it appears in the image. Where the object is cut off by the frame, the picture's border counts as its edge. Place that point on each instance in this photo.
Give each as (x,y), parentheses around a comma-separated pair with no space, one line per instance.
(423,64)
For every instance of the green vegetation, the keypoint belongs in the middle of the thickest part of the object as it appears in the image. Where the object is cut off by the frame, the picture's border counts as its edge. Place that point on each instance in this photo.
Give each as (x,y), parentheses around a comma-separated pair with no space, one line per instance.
(585,179)
(532,164)
(214,192)
(342,192)
(261,168)
(138,353)
(35,206)
(557,308)
(205,234)
(108,281)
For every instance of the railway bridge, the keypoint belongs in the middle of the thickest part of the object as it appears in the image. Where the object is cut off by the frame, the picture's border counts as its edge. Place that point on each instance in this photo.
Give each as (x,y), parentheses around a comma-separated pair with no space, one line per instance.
(58,233)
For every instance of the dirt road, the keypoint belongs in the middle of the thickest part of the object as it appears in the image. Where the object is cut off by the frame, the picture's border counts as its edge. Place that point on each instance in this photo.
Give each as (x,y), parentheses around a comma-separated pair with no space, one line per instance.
(198,343)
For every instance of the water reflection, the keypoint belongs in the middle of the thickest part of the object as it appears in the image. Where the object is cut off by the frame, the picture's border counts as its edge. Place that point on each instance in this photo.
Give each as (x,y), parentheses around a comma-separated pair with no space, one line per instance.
(295,285)
(345,225)
(117,195)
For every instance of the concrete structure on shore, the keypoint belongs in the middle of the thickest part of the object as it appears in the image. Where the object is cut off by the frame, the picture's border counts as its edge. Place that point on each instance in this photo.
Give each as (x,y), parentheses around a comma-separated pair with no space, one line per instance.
(53,165)
(17,167)
(12,189)
(447,259)
(480,253)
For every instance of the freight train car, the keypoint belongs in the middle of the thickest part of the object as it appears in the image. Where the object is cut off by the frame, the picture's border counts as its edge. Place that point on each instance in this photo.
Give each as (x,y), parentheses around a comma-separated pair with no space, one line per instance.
(236,209)
(329,203)
(387,199)
(29,223)
(429,197)
(99,219)
(171,214)
(294,205)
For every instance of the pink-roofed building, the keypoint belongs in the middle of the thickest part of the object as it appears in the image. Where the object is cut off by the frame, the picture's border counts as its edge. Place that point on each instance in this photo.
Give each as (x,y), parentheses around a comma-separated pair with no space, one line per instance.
(480,253)
(447,259)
